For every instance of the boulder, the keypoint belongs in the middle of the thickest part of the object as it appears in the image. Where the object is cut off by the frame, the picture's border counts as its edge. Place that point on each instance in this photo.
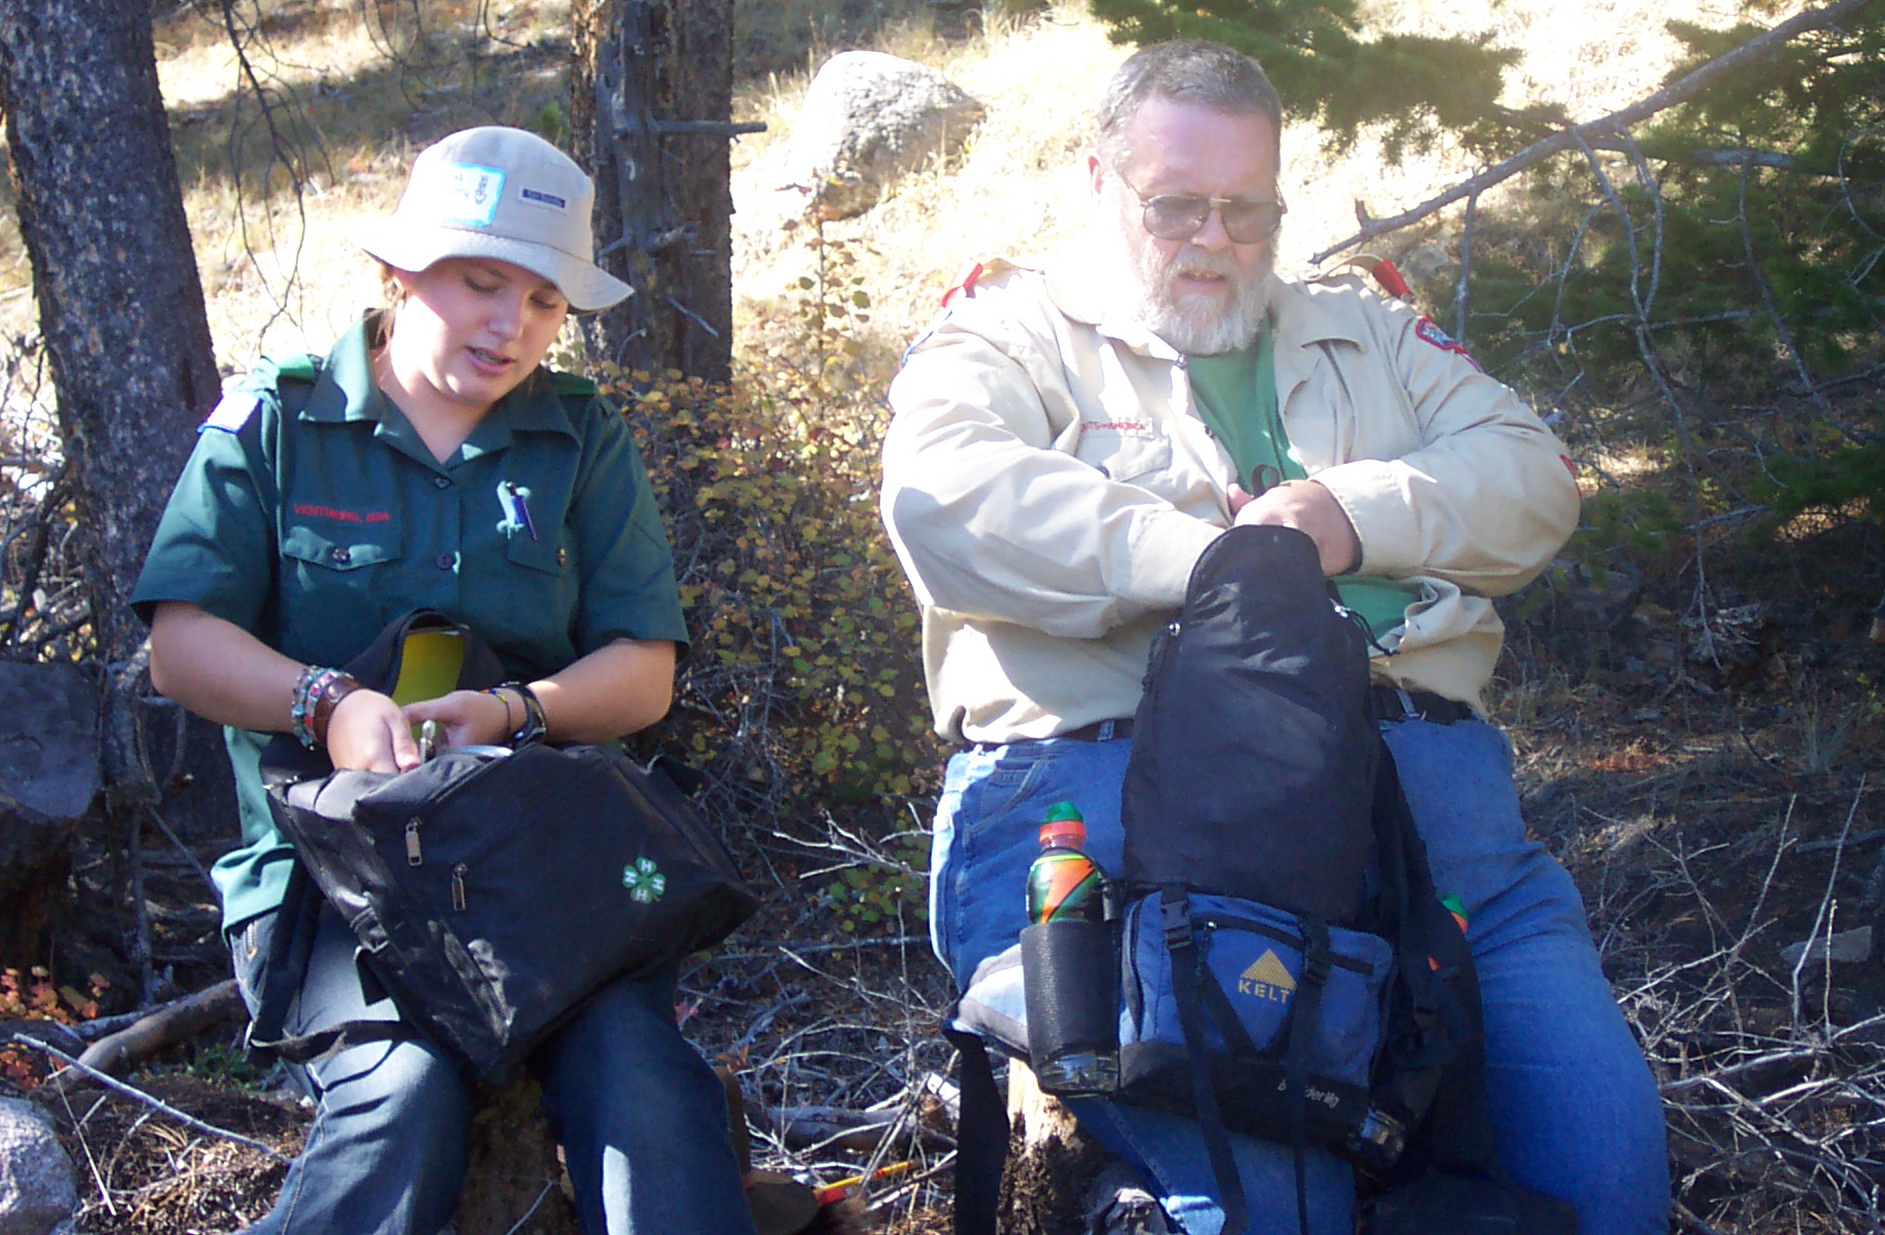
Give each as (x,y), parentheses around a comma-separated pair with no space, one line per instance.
(38,1184)
(49,768)
(49,774)
(867,119)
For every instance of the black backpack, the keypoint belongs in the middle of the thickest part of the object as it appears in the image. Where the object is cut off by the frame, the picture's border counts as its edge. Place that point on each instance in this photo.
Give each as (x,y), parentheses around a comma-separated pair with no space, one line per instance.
(492,891)
(1288,970)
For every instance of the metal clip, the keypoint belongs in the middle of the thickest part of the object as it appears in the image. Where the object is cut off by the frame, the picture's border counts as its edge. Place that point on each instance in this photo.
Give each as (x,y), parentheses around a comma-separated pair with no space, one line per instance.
(458,887)
(414,857)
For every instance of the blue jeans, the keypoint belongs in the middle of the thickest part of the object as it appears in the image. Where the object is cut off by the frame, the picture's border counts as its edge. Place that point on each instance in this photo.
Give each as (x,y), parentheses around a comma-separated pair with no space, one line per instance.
(1574,1109)
(641,1117)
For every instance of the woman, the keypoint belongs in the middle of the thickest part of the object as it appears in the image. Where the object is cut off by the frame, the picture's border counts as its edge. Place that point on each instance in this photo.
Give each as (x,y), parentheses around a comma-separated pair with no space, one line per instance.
(429,461)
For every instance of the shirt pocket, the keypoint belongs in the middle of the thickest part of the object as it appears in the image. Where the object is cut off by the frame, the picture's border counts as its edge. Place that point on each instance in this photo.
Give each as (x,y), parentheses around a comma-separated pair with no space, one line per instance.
(552,556)
(1128,457)
(342,548)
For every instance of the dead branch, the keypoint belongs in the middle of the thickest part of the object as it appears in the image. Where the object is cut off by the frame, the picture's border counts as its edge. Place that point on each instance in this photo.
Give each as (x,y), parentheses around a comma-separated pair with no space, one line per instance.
(1696,82)
(178,1021)
(861,1131)
(132,1091)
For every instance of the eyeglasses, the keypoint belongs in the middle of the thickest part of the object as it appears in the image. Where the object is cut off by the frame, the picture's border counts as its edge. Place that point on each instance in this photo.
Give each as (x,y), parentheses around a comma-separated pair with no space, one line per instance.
(1180,216)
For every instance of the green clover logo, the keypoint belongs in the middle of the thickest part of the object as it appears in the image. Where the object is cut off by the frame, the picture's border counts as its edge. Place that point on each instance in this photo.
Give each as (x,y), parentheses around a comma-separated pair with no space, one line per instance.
(644,880)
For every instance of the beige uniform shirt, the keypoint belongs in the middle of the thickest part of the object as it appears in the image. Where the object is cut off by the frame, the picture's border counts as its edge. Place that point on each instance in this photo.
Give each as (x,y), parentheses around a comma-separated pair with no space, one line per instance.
(1048,485)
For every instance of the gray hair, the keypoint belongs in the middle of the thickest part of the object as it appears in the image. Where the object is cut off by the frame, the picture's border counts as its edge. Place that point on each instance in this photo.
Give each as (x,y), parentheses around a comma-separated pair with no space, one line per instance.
(1195,71)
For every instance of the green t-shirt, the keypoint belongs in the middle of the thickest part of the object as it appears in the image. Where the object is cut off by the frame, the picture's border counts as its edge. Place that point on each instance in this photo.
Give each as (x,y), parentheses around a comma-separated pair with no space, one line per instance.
(1236,395)
(314,529)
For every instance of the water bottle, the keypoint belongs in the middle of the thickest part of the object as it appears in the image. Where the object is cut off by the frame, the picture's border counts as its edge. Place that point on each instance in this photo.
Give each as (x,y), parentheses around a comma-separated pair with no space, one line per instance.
(1064,883)
(1070,964)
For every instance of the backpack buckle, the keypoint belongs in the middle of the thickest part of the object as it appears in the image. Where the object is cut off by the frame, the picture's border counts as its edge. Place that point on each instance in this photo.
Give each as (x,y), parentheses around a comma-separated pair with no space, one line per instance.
(1316,962)
(1175,917)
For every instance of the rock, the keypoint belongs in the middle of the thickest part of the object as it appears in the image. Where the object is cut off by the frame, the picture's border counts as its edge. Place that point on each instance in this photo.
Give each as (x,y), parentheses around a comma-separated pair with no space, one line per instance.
(1851,947)
(38,1184)
(868,118)
(49,772)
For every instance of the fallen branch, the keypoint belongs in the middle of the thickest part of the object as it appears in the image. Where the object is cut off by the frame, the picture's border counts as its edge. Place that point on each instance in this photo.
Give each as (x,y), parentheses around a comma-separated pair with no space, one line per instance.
(1697,81)
(861,1131)
(132,1091)
(177,1021)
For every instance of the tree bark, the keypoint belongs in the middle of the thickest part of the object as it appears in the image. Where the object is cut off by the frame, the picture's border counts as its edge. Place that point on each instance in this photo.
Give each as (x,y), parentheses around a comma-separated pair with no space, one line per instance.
(120,301)
(120,308)
(650,97)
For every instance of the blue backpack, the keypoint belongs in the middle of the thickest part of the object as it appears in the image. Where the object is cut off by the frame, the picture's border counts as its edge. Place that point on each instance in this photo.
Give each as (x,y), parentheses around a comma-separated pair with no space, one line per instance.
(1287,969)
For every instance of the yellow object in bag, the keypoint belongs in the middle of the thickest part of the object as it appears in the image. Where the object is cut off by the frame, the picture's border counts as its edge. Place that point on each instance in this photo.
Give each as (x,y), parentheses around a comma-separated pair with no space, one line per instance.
(429,664)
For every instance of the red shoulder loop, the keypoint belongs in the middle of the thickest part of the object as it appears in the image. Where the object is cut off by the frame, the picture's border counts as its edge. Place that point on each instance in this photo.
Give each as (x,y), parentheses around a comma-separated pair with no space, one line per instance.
(1389,277)
(965,282)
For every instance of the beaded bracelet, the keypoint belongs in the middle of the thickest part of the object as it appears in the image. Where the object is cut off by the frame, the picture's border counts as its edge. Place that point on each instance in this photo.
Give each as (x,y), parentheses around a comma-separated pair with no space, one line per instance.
(301,705)
(317,691)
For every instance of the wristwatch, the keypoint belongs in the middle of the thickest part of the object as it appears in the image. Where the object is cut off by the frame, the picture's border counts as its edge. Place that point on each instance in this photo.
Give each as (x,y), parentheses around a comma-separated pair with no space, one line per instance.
(535,728)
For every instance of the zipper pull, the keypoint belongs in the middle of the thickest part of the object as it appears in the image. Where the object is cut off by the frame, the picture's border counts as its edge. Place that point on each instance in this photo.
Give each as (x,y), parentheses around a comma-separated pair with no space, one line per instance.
(414,857)
(458,887)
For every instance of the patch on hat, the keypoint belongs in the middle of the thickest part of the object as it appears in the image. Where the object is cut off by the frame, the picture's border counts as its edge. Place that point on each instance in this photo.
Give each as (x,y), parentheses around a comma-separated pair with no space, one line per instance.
(548,201)
(232,411)
(467,193)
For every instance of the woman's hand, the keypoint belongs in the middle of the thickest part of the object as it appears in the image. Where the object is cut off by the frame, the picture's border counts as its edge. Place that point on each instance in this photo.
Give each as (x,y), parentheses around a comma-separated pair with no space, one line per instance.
(368,732)
(470,717)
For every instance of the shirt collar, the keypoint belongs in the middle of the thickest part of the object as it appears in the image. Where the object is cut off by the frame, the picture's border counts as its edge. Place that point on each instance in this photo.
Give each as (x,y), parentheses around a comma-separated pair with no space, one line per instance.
(346,391)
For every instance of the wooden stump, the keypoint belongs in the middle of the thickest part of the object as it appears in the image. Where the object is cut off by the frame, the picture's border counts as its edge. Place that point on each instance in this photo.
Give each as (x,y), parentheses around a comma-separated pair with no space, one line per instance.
(1059,1180)
(516,1169)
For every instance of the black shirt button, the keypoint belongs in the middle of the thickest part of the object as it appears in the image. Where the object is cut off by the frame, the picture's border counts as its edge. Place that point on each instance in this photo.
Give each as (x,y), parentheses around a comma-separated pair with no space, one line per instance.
(441,482)
(445,560)
(340,554)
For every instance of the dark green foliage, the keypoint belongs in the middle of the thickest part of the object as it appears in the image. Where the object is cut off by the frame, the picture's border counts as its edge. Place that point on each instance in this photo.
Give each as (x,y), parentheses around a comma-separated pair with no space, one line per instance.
(1850,480)
(1325,66)
(1709,288)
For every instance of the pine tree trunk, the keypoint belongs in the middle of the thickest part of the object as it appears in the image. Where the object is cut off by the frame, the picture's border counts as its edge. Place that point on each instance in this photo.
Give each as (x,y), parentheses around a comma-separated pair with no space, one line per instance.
(120,302)
(650,94)
(121,311)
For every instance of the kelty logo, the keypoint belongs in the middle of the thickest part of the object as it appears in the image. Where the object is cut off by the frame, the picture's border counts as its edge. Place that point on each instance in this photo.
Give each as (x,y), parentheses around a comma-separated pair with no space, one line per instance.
(1267,978)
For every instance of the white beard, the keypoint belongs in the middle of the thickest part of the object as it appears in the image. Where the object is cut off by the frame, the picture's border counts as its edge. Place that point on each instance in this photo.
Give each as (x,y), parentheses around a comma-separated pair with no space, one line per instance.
(1191,324)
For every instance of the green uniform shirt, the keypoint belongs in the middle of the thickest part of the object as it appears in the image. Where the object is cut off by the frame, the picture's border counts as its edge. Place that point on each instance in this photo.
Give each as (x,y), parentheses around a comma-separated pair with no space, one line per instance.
(315,529)
(1236,396)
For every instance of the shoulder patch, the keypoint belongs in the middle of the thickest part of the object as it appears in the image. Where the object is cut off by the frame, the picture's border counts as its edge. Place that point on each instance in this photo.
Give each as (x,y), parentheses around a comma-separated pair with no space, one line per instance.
(571,383)
(1430,333)
(232,411)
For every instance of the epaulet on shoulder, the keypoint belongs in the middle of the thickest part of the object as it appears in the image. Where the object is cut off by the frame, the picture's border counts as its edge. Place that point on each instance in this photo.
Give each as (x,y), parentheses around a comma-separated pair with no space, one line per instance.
(975,273)
(1385,275)
(302,368)
(571,385)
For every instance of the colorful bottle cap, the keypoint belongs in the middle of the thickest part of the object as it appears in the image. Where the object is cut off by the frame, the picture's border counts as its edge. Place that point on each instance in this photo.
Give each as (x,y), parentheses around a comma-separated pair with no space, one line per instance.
(1063,825)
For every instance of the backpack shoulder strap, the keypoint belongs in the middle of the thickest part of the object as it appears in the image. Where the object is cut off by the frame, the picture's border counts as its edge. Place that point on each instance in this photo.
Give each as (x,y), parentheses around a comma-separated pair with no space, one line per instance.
(981,1136)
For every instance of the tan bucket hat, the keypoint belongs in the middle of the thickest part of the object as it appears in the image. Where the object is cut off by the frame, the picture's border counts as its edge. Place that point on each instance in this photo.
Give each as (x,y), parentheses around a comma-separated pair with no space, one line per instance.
(500,193)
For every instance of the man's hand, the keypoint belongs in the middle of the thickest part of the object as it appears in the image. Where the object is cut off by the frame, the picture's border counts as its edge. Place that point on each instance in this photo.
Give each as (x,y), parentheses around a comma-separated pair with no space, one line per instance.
(1309,508)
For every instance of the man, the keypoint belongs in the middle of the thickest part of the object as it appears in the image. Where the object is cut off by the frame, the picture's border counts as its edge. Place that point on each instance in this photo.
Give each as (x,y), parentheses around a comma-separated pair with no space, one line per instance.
(1065,445)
